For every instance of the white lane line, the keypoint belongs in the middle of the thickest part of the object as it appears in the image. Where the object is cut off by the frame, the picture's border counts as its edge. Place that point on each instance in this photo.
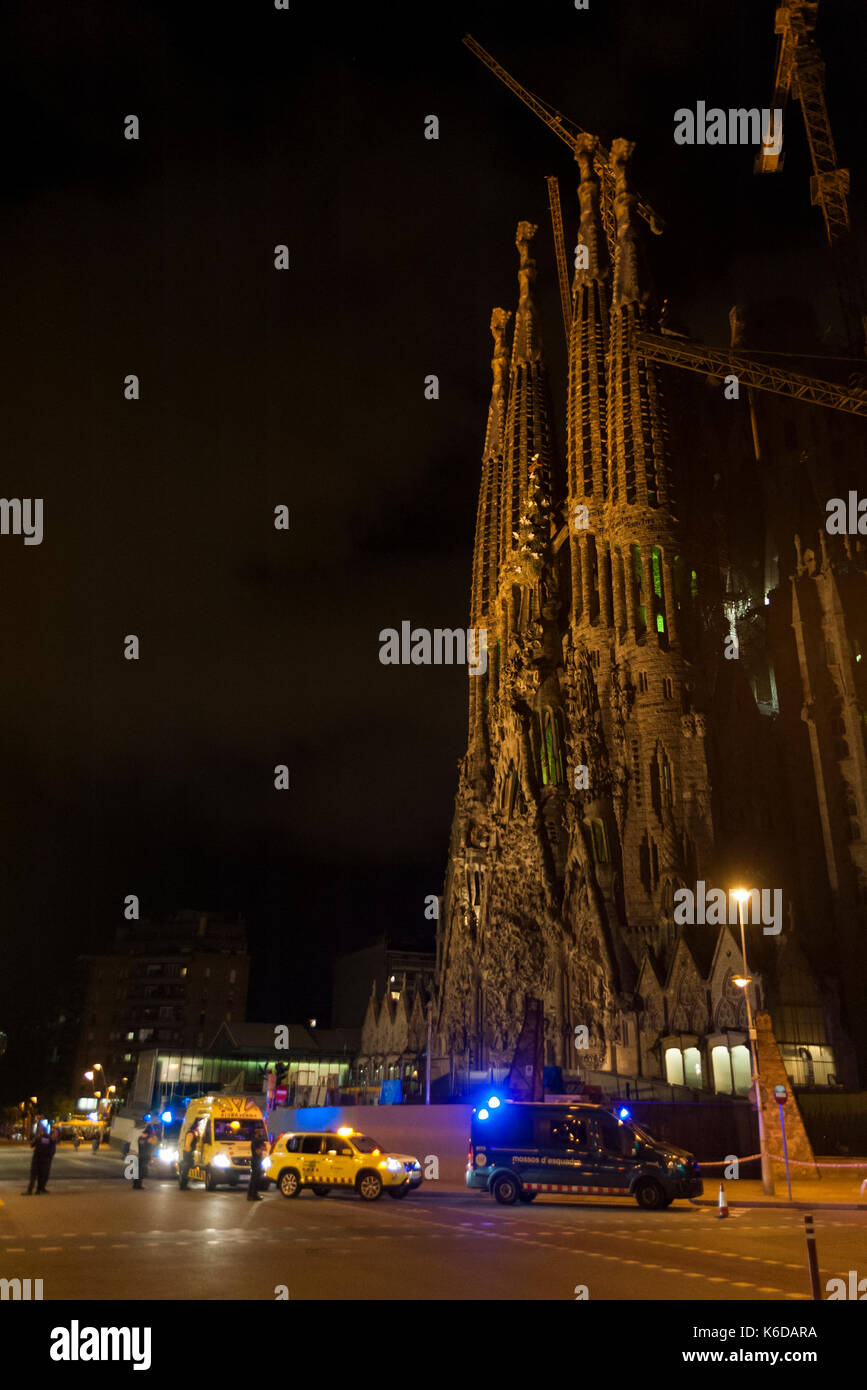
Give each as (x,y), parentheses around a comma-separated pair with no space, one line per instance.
(14,1249)
(50,1247)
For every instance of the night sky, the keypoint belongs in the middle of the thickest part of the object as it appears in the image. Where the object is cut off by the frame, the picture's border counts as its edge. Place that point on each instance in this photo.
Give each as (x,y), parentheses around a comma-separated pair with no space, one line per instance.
(306,388)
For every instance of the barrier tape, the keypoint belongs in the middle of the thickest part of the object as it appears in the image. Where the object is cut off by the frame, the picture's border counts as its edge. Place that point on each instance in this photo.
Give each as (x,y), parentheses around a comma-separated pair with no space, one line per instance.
(777,1158)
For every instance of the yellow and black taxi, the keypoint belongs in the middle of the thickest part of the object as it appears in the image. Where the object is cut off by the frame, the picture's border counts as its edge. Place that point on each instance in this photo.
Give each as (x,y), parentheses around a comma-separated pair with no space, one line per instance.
(521,1148)
(324,1160)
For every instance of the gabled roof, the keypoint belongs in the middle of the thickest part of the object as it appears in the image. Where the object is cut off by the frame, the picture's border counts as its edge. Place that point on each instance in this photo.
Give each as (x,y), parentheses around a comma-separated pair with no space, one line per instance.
(258,1039)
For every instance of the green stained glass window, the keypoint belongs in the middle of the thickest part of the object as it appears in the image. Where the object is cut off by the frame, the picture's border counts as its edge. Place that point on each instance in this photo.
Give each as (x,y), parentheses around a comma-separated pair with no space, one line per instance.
(637,567)
(660,623)
(693,583)
(656,558)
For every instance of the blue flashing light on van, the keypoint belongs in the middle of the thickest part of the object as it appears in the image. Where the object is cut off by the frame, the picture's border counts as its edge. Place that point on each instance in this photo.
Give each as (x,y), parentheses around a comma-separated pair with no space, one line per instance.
(521,1148)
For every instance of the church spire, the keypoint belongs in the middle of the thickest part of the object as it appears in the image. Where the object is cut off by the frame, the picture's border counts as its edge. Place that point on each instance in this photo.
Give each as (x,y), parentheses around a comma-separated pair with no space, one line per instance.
(486,555)
(528,430)
(587,444)
(637,431)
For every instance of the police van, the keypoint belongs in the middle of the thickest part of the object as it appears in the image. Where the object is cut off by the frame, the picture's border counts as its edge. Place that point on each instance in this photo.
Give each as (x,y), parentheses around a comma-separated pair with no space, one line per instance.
(222,1129)
(521,1148)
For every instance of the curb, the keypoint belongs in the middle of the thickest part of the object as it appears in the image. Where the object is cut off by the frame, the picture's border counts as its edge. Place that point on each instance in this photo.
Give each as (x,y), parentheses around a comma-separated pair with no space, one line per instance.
(795,1205)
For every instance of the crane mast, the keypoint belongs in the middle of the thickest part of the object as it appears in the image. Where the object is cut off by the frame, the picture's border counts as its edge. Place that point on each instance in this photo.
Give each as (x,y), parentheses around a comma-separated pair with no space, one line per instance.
(750,371)
(801,72)
(799,69)
(560,252)
(568,132)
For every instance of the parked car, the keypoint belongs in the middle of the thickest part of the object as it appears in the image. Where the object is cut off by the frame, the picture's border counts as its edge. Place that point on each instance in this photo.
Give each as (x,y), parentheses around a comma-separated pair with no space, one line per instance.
(521,1148)
(326,1159)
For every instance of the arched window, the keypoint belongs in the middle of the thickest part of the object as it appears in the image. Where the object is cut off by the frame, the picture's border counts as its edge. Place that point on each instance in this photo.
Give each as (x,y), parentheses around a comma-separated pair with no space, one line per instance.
(658,601)
(638,590)
(551,747)
(600,841)
(644,862)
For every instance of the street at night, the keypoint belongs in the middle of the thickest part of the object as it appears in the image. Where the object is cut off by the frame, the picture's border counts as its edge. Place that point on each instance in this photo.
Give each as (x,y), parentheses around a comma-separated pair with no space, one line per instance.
(95,1238)
(433,841)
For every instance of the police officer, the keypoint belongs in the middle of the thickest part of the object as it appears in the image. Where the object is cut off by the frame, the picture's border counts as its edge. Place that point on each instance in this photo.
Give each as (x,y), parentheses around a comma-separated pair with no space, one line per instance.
(145,1141)
(258,1147)
(44,1147)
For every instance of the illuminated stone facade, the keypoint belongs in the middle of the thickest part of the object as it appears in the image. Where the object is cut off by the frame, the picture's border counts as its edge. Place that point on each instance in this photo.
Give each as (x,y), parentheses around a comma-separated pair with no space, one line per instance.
(619,748)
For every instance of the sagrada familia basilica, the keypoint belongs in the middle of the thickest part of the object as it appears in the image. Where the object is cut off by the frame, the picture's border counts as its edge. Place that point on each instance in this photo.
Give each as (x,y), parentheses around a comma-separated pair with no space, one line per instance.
(674,699)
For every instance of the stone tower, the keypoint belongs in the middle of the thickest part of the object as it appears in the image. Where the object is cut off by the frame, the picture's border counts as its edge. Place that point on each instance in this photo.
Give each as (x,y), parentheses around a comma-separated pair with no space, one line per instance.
(587,795)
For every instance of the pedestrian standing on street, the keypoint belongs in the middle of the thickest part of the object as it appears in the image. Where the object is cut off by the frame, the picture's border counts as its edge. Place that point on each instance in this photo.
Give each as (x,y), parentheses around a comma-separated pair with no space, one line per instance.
(186,1159)
(96,1138)
(145,1141)
(44,1148)
(258,1146)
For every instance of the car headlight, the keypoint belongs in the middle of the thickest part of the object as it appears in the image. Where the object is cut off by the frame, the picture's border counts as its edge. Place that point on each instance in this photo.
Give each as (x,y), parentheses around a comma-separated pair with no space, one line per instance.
(167,1155)
(394,1165)
(266,1163)
(221,1161)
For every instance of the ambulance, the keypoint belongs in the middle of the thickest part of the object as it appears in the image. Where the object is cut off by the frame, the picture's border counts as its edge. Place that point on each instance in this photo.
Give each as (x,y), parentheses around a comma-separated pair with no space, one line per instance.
(224,1127)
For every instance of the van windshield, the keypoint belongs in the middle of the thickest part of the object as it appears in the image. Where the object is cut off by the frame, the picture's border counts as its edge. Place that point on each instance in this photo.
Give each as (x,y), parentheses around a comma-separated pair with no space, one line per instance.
(642,1134)
(366,1145)
(241,1131)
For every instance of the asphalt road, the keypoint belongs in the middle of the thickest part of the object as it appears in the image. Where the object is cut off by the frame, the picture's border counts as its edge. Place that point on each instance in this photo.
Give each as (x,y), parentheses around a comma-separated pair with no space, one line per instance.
(93,1237)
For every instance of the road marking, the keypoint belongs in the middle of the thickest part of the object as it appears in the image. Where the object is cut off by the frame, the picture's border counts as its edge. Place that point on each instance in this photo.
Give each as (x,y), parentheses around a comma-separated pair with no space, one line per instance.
(14,1249)
(50,1247)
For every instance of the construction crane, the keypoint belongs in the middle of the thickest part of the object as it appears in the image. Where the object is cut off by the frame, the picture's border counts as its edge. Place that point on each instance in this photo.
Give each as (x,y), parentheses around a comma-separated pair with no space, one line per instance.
(801,72)
(568,132)
(560,252)
(750,371)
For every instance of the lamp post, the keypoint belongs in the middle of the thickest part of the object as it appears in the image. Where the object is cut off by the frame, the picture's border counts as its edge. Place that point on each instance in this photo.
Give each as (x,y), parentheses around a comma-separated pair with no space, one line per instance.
(740,896)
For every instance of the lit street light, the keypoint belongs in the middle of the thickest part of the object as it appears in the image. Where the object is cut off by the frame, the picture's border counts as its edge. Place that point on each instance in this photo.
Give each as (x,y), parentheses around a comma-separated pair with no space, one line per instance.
(743,982)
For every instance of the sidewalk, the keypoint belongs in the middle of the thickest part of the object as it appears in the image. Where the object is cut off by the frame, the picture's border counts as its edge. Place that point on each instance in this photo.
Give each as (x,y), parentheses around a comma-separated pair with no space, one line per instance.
(837,1187)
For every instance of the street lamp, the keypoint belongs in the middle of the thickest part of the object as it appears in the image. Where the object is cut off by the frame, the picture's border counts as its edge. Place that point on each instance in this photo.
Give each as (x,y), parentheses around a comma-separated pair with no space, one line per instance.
(743,982)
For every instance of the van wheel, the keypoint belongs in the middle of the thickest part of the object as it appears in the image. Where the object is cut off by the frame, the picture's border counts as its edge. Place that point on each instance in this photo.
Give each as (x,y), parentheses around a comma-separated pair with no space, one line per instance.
(210,1181)
(369,1186)
(505,1189)
(650,1196)
(527,1196)
(321,1189)
(289,1183)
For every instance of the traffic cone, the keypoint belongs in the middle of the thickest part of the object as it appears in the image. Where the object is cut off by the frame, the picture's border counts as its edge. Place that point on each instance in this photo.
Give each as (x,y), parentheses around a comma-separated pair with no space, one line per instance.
(722,1203)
